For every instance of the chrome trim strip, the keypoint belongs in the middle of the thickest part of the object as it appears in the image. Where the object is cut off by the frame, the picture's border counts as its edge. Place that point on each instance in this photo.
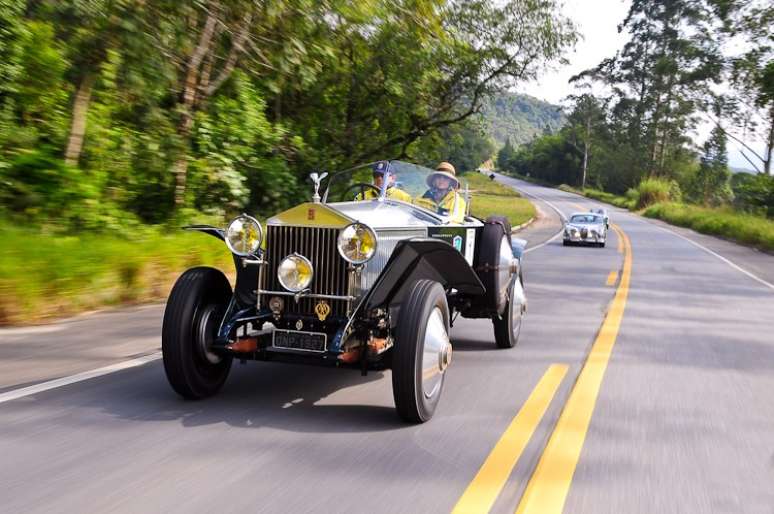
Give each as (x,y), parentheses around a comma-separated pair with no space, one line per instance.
(309,295)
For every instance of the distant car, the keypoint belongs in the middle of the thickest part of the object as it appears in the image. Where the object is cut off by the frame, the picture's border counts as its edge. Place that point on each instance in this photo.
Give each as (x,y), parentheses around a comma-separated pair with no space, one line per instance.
(585,228)
(602,212)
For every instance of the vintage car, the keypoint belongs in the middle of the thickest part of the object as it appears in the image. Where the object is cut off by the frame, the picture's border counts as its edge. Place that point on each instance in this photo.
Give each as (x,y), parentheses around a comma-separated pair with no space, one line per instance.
(370,285)
(585,228)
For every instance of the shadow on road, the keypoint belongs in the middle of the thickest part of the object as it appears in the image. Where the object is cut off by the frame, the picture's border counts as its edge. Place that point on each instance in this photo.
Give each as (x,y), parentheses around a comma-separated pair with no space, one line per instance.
(279,396)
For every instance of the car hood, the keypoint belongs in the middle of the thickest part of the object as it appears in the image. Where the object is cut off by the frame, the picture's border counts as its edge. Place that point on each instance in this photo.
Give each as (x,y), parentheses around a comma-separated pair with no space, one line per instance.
(583,225)
(387,214)
(374,213)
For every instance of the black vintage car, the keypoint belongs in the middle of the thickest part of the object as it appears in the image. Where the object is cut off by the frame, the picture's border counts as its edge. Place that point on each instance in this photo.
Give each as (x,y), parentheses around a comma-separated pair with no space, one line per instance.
(365,277)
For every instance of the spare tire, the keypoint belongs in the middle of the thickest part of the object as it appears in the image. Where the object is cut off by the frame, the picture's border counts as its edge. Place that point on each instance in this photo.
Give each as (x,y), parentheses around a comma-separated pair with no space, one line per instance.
(493,264)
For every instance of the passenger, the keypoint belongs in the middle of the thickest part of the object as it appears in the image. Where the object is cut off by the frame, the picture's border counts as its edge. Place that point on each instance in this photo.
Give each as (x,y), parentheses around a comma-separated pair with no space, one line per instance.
(393,192)
(443,193)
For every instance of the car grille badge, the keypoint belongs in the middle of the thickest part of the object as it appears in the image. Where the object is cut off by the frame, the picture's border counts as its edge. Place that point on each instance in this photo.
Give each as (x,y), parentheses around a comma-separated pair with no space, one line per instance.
(299,324)
(322,309)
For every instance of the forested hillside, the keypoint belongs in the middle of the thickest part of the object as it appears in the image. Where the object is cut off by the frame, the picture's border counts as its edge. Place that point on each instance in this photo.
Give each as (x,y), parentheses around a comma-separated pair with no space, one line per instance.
(686,62)
(520,118)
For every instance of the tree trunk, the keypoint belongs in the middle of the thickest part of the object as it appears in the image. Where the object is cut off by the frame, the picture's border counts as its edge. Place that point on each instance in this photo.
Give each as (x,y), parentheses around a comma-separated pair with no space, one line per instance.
(186,106)
(585,164)
(769,145)
(586,151)
(78,127)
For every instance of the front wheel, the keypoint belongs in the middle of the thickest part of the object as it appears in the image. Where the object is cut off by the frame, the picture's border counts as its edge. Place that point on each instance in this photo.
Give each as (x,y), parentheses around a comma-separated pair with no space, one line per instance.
(508,327)
(195,308)
(422,351)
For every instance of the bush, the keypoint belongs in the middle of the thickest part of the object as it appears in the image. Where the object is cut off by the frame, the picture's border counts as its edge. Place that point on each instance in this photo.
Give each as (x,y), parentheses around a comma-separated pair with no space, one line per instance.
(632,195)
(755,194)
(654,190)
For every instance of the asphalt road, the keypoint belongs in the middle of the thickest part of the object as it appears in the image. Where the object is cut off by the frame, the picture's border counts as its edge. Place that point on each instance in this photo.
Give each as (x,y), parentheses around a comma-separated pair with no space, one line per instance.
(682,420)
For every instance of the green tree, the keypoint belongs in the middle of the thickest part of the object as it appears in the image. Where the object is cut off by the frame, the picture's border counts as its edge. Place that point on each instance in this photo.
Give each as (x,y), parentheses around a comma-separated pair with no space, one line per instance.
(752,77)
(584,122)
(711,182)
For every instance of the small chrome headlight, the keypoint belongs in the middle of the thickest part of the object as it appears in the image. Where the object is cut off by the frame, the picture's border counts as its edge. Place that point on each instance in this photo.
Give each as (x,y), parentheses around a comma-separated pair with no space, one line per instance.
(357,243)
(295,272)
(244,235)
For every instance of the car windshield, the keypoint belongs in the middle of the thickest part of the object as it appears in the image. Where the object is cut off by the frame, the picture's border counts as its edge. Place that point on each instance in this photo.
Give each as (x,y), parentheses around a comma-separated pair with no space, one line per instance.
(585,218)
(439,192)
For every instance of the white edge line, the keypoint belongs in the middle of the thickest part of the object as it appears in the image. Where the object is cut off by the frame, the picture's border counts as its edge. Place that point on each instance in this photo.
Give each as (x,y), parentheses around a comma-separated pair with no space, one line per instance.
(79,377)
(702,247)
(554,207)
(649,222)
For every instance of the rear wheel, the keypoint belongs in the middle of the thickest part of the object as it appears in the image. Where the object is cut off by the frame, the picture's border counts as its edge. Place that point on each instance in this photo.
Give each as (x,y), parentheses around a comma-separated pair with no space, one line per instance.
(195,308)
(422,352)
(507,327)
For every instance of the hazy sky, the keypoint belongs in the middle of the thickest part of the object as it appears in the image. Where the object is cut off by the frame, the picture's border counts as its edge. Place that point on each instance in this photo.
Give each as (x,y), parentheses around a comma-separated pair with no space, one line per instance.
(597,21)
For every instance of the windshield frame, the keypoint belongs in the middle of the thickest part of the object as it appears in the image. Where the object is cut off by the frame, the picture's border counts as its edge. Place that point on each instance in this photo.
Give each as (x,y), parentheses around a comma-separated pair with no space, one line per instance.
(597,218)
(400,168)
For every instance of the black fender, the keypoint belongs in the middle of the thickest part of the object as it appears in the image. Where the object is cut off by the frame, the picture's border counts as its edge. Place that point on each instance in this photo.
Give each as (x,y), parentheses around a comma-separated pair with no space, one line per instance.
(208,229)
(422,258)
(246,276)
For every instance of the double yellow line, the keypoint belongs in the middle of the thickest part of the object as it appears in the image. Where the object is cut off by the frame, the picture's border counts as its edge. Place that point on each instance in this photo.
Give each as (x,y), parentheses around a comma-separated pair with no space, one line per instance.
(547,490)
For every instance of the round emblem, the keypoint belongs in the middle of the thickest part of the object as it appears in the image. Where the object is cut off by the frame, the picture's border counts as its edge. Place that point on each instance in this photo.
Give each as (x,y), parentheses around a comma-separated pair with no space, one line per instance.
(299,324)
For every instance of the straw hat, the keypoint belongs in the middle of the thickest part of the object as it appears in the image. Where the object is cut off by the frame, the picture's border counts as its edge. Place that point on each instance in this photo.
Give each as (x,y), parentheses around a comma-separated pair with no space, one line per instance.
(444,169)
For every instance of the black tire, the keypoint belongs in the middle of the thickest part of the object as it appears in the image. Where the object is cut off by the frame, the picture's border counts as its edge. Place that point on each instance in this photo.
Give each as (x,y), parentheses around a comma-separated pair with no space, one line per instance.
(411,402)
(496,232)
(507,327)
(602,244)
(194,310)
(565,242)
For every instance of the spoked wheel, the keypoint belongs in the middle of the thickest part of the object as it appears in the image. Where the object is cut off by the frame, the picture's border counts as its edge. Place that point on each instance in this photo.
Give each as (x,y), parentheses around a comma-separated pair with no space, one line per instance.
(192,317)
(508,326)
(422,352)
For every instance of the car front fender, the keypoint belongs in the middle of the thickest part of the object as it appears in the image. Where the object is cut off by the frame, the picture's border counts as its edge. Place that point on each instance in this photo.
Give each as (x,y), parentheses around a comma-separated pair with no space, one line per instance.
(423,258)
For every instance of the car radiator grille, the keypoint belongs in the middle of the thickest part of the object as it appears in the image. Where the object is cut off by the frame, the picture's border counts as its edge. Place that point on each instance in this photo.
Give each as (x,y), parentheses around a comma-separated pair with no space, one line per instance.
(319,246)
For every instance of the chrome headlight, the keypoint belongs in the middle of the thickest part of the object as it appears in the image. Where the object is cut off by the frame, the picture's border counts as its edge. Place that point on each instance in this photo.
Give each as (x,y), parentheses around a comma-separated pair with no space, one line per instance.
(244,235)
(357,243)
(295,272)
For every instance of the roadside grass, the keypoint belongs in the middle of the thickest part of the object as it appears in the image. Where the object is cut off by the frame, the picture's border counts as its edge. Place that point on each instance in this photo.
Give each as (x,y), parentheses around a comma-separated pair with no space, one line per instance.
(44,276)
(752,230)
(625,202)
(492,198)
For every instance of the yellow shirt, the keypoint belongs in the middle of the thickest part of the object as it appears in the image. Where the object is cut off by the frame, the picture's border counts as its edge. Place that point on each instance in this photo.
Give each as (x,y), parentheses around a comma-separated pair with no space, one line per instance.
(392,193)
(451,205)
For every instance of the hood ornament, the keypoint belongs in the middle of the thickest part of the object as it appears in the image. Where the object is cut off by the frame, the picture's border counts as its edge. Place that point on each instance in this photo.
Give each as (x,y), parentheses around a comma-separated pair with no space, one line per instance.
(316,179)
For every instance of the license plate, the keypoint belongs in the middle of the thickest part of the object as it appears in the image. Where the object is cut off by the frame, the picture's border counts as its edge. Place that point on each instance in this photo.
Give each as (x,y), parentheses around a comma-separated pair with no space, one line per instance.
(295,340)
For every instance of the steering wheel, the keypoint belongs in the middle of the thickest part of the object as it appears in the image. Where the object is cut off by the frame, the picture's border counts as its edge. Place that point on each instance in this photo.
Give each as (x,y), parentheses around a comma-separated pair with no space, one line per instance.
(344,197)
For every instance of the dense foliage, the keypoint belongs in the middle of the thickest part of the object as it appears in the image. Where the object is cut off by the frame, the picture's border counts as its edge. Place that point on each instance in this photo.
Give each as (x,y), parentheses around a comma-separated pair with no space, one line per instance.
(681,65)
(123,112)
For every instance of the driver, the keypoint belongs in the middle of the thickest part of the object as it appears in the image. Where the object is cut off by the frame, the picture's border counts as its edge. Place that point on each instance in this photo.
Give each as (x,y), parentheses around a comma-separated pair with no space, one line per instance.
(443,193)
(380,169)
